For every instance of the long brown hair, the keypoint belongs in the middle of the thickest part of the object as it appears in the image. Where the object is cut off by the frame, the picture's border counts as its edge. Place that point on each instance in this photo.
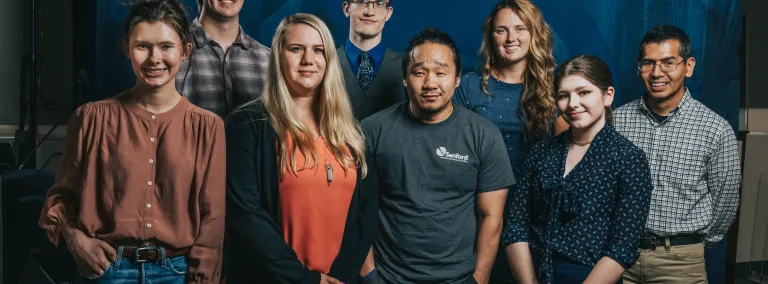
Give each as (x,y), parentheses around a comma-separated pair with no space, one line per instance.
(536,104)
(591,68)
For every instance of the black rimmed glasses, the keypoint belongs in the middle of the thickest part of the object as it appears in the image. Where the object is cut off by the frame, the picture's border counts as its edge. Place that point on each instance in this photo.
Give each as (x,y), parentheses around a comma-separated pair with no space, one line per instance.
(376,4)
(666,65)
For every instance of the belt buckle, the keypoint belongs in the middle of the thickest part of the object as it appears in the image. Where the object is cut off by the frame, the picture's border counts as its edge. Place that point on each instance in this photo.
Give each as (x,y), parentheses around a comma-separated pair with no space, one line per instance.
(649,242)
(137,254)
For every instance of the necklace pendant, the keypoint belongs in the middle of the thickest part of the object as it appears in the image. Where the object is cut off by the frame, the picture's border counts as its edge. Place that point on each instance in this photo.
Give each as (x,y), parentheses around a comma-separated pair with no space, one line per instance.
(329,173)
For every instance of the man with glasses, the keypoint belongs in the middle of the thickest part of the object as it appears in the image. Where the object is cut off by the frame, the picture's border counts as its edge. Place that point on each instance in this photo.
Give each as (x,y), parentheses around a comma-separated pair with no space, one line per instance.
(694,163)
(371,70)
(227,68)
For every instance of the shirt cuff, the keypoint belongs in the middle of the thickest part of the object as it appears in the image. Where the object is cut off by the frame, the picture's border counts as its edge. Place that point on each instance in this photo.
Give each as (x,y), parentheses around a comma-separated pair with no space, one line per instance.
(711,239)
(626,256)
(514,234)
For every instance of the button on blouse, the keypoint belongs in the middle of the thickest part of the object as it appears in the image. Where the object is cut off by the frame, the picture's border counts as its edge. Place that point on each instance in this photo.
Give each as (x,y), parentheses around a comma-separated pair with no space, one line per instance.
(121,160)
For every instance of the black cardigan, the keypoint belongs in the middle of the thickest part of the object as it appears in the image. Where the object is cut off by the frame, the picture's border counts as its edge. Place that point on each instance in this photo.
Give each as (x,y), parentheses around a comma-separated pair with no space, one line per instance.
(255,251)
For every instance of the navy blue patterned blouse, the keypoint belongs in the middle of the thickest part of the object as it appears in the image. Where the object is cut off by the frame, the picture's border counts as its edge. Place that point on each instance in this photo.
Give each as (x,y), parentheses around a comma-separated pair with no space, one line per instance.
(599,209)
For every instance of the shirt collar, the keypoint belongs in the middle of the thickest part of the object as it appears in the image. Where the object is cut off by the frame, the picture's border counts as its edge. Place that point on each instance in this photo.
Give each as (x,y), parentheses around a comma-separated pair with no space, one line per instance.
(202,38)
(377,52)
(681,106)
(607,130)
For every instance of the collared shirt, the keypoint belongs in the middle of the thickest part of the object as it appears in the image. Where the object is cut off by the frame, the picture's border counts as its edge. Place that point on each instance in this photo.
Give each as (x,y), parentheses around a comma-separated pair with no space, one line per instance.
(694,163)
(353,52)
(598,209)
(221,82)
(128,175)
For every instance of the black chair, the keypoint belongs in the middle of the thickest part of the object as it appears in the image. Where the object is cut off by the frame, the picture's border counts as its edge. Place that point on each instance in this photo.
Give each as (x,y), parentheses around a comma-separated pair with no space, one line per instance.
(23,197)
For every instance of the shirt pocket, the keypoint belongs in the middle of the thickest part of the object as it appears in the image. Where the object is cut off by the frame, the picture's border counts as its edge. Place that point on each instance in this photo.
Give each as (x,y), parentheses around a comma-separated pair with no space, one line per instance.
(687,168)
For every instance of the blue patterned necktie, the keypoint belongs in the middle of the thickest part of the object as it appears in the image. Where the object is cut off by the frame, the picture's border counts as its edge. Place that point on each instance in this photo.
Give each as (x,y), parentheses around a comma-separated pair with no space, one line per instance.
(365,71)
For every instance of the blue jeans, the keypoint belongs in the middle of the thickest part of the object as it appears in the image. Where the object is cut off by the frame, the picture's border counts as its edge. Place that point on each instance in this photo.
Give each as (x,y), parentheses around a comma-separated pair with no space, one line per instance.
(126,270)
(714,259)
(568,271)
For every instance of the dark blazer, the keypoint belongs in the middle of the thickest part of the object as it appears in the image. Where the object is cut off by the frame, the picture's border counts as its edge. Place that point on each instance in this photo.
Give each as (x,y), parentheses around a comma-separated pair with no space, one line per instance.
(387,88)
(255,249)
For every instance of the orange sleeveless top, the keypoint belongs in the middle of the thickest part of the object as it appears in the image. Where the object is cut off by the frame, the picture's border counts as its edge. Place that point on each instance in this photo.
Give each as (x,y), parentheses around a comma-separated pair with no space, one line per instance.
(314,211)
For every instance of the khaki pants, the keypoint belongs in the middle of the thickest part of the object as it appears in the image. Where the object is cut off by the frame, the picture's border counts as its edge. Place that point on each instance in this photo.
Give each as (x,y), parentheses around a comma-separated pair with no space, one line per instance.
(669,264)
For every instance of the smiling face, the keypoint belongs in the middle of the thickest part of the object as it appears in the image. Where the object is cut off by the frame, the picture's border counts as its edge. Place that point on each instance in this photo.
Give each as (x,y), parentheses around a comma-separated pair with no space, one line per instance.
(155,50)
(582,103)
(366,21)
(303,60)
(224,8)
(669,85)
(511,37)
(431,80)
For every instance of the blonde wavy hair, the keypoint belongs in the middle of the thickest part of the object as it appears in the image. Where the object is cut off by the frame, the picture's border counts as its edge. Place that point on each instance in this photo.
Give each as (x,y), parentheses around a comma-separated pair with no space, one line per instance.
(536,104)
(337,124)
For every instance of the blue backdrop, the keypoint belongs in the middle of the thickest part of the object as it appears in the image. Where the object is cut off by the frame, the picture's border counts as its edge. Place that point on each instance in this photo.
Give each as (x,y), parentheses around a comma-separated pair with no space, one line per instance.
(608,29)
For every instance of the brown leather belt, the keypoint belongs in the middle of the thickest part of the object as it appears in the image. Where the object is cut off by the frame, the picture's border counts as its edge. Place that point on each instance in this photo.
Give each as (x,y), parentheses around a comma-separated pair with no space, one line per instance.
(148,251)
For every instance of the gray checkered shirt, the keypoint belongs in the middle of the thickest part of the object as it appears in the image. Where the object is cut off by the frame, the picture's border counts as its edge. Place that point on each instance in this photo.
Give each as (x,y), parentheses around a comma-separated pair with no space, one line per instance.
(220,82)
(694,164)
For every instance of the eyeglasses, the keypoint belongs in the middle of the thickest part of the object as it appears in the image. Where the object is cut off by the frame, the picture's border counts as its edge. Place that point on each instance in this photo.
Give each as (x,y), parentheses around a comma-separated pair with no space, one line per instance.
(376,4)
(666,66)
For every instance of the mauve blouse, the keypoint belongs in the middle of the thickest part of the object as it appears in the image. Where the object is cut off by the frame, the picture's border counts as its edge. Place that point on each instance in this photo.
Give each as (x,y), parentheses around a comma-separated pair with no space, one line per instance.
(129,175)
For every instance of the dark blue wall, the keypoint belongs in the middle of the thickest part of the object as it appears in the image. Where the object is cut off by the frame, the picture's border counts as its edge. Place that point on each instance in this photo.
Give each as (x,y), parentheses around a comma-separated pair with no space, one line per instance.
(609,29)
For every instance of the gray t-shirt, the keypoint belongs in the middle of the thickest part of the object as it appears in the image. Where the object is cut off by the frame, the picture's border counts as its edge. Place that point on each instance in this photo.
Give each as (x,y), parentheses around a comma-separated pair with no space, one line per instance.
(429,176)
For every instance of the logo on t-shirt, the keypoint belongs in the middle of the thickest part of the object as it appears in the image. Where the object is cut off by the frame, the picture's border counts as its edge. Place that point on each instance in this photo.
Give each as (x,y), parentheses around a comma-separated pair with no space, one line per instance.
(444,154)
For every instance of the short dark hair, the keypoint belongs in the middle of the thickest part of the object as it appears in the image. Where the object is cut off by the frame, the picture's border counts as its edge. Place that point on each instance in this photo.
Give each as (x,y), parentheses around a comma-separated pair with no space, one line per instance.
(667,32)
(591,68)
(170,12)
(431,35)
